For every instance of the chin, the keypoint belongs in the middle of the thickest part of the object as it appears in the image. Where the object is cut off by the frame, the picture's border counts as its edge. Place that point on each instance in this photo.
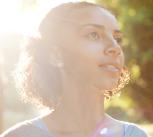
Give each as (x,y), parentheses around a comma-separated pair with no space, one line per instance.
(108,84)
(112,83)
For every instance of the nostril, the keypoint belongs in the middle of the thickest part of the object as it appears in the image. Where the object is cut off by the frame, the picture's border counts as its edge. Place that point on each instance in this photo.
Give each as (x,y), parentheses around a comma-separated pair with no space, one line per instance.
(113,51)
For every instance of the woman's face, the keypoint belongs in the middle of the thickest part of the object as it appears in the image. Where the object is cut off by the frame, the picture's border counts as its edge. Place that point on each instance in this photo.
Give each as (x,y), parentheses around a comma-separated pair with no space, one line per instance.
(94,54)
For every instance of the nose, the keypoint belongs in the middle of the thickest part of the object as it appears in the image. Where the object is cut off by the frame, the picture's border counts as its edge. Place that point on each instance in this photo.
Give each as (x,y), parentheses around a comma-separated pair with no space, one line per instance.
(113,49)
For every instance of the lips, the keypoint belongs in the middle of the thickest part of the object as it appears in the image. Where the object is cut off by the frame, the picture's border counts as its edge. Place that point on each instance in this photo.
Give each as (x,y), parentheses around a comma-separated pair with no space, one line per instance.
(113,67)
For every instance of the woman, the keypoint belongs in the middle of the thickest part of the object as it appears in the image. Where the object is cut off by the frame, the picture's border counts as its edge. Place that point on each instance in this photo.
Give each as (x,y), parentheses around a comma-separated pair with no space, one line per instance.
(71,68)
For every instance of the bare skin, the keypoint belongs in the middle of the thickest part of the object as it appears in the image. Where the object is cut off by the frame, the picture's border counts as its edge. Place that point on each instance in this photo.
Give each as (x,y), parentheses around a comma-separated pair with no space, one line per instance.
(84,82)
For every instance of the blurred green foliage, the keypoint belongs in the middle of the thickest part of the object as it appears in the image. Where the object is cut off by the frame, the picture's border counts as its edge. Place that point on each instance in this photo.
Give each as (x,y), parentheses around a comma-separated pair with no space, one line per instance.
(136,21)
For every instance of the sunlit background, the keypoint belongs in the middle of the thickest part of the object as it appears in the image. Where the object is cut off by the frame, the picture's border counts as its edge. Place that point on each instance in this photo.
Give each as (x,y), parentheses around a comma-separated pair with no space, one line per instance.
(20,18)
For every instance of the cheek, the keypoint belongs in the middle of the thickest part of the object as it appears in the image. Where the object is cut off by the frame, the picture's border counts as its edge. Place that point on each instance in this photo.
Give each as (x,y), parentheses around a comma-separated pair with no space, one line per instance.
(122,58)
(88,58)
(91,50)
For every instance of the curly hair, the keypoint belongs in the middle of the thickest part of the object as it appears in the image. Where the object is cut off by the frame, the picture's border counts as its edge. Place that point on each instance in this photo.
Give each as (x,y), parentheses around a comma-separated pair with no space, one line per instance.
(38,74)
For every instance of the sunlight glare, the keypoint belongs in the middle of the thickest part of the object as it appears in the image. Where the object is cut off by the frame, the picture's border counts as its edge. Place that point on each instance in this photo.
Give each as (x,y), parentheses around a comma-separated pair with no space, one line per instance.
(8,15)
(14,20)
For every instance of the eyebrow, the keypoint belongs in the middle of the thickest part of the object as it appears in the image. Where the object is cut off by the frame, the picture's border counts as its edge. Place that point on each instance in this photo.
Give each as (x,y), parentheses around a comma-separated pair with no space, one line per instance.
(93,25)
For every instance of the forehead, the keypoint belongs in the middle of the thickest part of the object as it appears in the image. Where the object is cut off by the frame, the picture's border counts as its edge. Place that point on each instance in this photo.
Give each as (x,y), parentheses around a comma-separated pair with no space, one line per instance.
(95,15)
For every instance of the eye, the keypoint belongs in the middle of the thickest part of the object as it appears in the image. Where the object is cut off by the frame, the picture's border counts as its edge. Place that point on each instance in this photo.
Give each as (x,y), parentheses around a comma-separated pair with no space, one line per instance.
(118,36)
(118,39)
(93,36)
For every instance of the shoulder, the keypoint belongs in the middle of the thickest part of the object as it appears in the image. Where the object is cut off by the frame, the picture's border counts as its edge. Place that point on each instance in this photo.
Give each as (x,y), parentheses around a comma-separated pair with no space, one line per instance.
(24,129)
(17,130)
(130,129)
(133,130)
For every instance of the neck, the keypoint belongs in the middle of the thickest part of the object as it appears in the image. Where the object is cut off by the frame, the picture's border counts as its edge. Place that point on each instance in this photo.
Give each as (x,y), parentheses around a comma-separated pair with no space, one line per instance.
(81,109)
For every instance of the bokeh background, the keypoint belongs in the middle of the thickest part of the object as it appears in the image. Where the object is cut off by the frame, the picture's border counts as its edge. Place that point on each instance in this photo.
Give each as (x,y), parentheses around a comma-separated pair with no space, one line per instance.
(20,18)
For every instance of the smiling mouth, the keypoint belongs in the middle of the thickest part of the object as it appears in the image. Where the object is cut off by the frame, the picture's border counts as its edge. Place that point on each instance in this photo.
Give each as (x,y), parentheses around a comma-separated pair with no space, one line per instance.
(111,67)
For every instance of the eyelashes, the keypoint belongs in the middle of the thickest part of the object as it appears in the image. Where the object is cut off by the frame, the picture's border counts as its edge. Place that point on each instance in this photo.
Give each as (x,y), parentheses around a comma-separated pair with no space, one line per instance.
(119,40)
(118,36)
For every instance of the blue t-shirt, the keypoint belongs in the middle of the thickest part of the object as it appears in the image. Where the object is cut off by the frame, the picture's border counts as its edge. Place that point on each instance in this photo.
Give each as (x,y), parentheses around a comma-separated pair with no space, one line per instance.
(37,128)
(38,122)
